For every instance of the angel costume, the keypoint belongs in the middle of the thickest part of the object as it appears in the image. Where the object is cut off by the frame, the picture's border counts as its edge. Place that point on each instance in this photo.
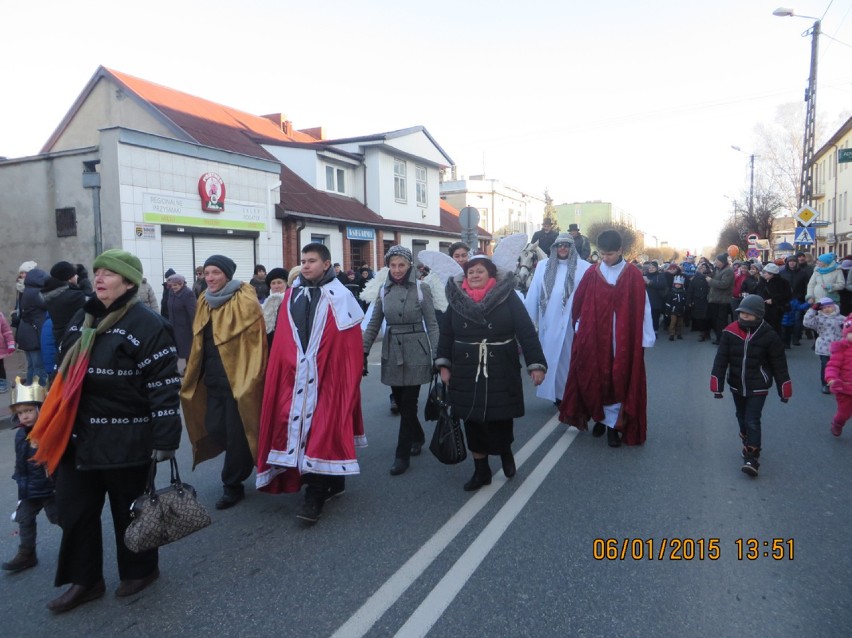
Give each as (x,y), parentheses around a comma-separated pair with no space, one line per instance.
(549,302)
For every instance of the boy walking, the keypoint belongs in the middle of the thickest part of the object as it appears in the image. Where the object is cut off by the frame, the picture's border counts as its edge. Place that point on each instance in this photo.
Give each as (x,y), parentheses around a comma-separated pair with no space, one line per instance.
(752,354)
(676,307)
(35,487)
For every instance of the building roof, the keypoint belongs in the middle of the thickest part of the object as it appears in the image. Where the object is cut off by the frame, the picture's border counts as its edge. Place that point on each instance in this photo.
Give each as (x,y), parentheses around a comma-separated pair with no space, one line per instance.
(193,118)
(389,135)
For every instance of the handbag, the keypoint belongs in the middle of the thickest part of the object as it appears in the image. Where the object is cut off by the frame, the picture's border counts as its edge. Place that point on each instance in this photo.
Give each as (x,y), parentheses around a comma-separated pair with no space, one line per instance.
(166,515)
(432,409)
(448,439)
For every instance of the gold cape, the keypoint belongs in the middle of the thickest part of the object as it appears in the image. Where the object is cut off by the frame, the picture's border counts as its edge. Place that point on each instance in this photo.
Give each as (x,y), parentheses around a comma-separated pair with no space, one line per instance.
(240,334)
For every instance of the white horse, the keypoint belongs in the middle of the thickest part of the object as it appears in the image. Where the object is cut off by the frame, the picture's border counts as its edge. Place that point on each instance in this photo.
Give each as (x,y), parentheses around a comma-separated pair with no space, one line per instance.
(527,260)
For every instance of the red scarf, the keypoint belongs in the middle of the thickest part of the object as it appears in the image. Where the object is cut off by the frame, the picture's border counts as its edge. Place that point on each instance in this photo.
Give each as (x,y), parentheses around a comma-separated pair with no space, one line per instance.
(477,294)
(596,377)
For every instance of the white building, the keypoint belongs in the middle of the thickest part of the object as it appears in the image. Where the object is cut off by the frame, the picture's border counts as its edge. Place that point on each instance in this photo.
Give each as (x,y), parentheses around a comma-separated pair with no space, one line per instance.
(832,183)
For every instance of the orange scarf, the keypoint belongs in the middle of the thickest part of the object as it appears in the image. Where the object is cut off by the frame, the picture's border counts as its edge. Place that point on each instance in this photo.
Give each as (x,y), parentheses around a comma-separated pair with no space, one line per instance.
(478,294)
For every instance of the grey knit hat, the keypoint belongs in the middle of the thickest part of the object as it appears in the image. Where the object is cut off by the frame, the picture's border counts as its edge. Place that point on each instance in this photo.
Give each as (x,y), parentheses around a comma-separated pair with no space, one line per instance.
(562,238)
(753,304)
(398,251)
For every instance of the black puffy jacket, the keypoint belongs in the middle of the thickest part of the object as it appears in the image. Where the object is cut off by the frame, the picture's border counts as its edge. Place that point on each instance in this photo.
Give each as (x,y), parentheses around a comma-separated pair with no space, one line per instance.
(32,479)
(33,311)
(129,402)
(486,378)
(752,359)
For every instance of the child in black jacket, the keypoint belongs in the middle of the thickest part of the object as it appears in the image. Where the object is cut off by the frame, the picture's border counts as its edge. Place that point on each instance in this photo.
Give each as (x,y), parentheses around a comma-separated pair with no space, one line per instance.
(676,307)
(752,354)
(35,487)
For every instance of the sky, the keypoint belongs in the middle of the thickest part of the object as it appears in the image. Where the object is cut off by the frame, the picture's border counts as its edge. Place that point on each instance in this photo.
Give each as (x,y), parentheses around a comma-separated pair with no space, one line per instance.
(634,103)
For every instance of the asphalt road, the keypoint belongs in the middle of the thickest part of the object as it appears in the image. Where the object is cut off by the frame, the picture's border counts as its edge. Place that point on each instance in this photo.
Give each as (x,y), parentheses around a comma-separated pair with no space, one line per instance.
(416,555)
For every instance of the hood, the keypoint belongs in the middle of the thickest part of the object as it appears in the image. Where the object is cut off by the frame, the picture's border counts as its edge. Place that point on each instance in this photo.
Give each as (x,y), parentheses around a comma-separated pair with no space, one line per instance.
(36,278)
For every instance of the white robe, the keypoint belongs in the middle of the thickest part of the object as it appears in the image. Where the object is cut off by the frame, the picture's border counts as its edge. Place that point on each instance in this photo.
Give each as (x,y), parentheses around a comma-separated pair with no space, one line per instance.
(554,328)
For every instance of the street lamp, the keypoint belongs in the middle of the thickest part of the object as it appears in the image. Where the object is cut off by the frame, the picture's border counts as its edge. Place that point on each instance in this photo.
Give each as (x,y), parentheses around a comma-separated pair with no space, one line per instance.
(806,187)
(751,187)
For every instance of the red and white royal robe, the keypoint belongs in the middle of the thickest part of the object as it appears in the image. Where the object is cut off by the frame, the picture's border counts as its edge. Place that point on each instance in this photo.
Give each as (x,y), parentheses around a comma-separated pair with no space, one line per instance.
(311,420)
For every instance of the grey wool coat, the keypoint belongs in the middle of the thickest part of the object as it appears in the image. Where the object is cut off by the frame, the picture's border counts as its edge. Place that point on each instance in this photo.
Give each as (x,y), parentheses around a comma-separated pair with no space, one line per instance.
(408,349)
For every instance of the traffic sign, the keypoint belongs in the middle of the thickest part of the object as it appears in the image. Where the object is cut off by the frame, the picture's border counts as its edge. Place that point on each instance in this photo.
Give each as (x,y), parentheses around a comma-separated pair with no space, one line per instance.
(752,239)
(805,236)
(752,253)
(468,218)
(805,215)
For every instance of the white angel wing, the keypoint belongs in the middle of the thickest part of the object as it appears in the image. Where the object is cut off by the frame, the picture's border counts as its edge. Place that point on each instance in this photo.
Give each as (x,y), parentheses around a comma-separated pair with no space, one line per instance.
(506,253)
(371,290)
(440,263)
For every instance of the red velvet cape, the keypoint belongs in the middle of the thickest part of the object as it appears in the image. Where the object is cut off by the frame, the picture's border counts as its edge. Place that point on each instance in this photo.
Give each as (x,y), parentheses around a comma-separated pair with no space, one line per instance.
(311,418)
(596,377)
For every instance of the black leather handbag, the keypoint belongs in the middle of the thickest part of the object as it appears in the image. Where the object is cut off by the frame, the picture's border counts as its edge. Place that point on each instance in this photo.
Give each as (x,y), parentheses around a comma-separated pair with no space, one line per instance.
(448,439)
(166,515)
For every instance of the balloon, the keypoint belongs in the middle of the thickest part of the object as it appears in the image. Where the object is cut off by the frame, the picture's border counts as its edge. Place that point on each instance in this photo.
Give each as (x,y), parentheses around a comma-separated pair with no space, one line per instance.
(733,250)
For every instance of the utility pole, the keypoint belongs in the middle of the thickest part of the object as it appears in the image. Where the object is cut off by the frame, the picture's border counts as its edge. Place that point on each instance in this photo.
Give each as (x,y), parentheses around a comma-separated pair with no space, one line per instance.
(806,189)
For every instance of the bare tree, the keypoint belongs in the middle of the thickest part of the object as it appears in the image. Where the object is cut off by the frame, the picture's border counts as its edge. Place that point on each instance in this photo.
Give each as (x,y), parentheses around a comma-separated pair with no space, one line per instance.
(766,205)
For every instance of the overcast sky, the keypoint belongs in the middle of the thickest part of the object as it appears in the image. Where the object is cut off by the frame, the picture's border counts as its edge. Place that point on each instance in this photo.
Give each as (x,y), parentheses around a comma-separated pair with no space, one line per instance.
(636,103)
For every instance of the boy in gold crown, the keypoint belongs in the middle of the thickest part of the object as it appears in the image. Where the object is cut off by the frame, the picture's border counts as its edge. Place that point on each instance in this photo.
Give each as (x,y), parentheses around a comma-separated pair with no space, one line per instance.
(35,487)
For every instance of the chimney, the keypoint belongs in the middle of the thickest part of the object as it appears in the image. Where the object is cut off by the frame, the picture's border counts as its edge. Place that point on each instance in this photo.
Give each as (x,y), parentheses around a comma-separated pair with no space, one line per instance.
(280,120)
(316,132)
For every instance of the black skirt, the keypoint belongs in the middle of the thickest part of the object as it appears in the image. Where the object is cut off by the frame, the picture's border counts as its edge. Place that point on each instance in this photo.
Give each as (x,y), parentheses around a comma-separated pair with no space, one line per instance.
(489,437)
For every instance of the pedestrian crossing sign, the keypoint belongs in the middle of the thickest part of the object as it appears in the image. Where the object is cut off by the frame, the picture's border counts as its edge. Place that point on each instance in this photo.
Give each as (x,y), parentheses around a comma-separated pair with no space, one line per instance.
(805,236)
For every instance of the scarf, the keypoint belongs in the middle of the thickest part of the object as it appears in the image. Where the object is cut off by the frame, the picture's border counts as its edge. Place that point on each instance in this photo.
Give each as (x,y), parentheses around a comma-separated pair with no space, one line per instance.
(550,278)
(477,294)
(830,268)
(52,431)
(271,306)
(223,296)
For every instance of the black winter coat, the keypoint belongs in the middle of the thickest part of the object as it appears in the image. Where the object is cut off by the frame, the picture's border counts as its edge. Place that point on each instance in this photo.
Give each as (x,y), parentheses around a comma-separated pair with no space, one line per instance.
(181,314)
(656,288)
(129,401)
(798,280)
(486,380)
(778,290)
(63,300)
(696,296)
(752,360)
(33,480)
(33,311)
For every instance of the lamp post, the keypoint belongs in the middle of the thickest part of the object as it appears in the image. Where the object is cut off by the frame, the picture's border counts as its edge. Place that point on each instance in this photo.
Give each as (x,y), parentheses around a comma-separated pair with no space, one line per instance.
(806,186)
(751,185)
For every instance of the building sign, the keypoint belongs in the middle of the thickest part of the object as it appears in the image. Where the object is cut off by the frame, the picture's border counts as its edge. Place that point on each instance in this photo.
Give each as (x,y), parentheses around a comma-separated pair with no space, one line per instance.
(360,234)
(146,231)
(211,187)
(844,155)
(182,211)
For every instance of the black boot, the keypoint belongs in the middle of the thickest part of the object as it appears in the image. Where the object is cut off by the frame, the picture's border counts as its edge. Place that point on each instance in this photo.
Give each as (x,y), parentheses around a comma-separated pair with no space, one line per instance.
(481,475)
(751,464)
(24,559)
(508,460)
(399,466)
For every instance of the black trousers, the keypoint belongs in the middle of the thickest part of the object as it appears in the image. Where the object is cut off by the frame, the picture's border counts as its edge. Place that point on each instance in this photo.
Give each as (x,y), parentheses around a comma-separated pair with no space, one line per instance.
(225,427)
(410,430)
(718,313)
(79,503)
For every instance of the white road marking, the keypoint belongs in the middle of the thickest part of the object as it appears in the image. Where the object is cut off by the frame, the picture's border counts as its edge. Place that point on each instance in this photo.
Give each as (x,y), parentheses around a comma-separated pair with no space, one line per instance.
(434,605)
(376,605)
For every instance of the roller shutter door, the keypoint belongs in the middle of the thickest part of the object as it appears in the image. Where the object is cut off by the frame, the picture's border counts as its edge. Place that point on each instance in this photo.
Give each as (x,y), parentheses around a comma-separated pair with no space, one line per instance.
(177,255)
(240,249)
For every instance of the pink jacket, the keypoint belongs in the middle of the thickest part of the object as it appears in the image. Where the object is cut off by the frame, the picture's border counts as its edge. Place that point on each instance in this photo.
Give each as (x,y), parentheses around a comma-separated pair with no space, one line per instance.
(839,366)
(7,338)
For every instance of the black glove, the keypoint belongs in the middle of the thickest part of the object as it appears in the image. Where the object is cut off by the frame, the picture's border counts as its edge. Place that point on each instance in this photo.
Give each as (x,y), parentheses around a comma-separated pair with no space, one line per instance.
(366,371)
(718,395)
(162,455)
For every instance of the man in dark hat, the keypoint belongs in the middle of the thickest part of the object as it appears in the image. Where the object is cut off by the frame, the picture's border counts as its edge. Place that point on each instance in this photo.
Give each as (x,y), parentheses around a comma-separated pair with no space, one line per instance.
(581,243)
(62,297)
(164,301)
(546,236)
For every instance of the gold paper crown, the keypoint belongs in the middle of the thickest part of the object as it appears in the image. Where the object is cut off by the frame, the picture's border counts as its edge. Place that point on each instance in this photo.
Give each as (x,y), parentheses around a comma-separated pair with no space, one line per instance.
(27,393)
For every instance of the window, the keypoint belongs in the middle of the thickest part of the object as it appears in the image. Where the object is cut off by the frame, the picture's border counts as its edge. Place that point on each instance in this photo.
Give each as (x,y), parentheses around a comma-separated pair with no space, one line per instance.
(399,186)
(335,179)
(420,180)
(319,239)
(66,222)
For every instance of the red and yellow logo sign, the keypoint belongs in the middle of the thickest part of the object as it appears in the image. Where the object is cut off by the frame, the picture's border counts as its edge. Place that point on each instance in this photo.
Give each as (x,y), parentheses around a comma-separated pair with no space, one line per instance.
(211,187)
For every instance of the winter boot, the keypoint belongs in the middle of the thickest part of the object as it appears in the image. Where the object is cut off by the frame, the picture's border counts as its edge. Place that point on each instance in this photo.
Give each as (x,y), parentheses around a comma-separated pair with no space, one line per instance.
(24,559)
(481,475)
(751,464)
(508,461)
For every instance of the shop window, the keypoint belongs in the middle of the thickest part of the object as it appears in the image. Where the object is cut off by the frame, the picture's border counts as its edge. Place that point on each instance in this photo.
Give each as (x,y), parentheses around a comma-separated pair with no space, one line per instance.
(66,222)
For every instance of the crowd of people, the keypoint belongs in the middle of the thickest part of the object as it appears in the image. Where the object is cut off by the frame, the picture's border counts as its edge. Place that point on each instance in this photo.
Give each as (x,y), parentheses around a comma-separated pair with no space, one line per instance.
(267,372)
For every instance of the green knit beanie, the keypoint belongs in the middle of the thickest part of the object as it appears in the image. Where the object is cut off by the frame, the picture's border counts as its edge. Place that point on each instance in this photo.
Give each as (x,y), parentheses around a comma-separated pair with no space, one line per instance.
(121,262)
